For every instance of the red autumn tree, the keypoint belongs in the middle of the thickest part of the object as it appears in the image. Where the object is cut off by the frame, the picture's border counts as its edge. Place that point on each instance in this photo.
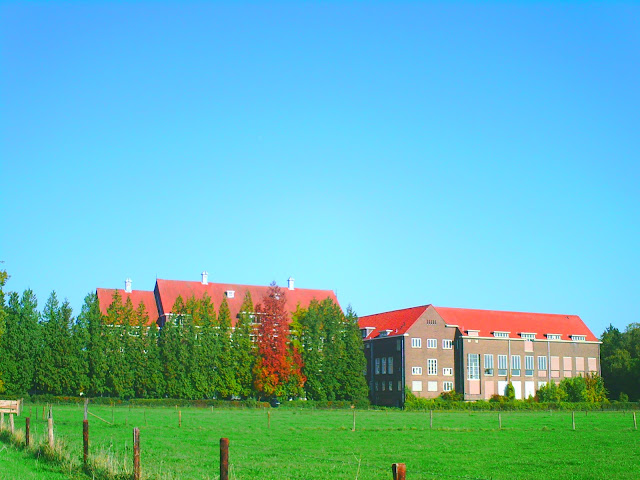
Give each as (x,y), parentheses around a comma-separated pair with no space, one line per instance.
(277,371)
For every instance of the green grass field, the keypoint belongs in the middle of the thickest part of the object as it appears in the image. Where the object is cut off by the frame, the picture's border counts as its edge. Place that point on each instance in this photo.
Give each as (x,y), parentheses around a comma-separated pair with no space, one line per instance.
(319,444)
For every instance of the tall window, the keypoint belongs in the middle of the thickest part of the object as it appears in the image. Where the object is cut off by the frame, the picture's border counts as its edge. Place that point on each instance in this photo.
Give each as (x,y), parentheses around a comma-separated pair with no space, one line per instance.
(473,366)
(528,365)
(447,344)
(416,343)
(502,365)
(432,366)
(390,365)
(384,365)
(515,365)
(447,386)
(377,366)
(432,343)
(542,363)
(488,364)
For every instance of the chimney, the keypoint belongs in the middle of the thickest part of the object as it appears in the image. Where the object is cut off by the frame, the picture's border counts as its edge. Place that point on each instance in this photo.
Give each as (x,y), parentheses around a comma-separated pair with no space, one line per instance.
(205,278)
(127,285)
(290,283)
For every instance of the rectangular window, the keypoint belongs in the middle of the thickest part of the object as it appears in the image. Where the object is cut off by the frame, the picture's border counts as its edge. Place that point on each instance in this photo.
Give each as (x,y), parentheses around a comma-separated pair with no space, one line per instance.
(432,366)
(488,364)
(447,372)
(384,365)
(553,336)
(515,365)
(416,370)
(384,386)
(416,343)
(398,345)
(447,344)
(473,366)
(528,336)
(528,366)
(390,365)
(432,343)
(377,366)
(377,386)
(567,363)
(591,364)
(501,334)
(542,363)
(502,365)
(432,386)
(399,385)
(391,386)
(447,386)
(578,338)
(416,386)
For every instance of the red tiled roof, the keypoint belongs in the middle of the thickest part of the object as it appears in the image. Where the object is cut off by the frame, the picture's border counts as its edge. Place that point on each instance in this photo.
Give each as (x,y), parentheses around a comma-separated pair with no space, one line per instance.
(489,321)
(105,298)
(398,321)
(169,290)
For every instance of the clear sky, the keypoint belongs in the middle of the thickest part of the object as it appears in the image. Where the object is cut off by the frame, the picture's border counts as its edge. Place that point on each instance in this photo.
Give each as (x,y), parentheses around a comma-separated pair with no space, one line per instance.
(467,155)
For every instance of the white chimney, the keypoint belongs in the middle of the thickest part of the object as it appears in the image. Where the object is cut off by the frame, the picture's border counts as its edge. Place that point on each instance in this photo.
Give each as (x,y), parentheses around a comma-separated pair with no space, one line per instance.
(127,285)
(205,278)
(290,283)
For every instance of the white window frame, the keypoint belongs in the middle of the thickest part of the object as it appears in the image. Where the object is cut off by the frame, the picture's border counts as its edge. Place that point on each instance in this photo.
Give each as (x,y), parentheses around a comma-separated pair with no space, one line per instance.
(528,336)
(432,366)
(384,366)
(416,342)
(432,343)
(447,344)
(473,366)
(377,370)
(416,386)
(447,386)
(501,334)
(503,365)
(390,365)
(579,338)
(488,364)
(416,370)
(529,365)
(516,365)
(554,336)
(542,362)
(447,372)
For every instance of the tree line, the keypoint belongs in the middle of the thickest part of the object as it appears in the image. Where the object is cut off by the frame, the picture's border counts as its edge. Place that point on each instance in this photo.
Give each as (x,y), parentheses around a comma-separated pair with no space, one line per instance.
(316,354)
(620,360)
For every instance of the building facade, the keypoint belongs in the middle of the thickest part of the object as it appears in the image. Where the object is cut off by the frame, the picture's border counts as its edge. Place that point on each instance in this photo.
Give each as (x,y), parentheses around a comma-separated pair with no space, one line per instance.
(432,350)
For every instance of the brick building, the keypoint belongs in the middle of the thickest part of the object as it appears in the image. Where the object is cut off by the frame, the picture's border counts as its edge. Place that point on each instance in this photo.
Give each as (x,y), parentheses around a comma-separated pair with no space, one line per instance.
(160,301)
(477,353)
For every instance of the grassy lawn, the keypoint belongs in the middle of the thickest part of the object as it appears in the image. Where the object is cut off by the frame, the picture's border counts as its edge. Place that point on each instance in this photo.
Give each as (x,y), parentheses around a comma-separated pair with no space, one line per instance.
(14,463)
(316,444)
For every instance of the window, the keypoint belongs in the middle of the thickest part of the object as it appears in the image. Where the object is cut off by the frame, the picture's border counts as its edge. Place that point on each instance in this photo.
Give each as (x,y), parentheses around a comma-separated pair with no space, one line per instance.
(399,385)
(377,366)
(515,365)
(416,370)
(488,364)
(416,343)
(553,336)
(431,321)
(528,365)
(528,336)
(501,334)
(432,366)
(578,338)
(447,372)
(377,386)
(384,386)
(473,333)
(384,365)
(432,386)
(447,344)
(391,386)
(447,386)
(416,386)
(502,365)
(542,363)
(398,345)
(473,366)
(390,365)
(432,343)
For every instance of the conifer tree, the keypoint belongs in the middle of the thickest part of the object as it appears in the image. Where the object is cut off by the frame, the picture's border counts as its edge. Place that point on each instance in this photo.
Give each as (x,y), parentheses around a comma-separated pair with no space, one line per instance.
(137,348)
(118,346)
(244,349)
(153,377)
(91,316)
(176,346)
(355,384)
(206,350)
(224,359)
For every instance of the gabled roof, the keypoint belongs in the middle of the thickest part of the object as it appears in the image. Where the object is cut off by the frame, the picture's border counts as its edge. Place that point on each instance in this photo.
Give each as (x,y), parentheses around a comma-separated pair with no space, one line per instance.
(105,298)
(488,321)
(168,291)
(397,321)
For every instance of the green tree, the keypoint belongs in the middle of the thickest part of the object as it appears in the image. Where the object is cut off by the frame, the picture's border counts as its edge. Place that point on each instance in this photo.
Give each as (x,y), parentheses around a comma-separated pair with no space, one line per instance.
(224,360)
(205,376)
(3,280)
(551,393)
(176,347)
(243,348)
(96,356)
(575,388)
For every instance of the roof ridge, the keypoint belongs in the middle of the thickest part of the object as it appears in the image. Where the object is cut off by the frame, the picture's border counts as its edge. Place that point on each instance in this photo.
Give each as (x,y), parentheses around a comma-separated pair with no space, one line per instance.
(509,311)
(397,310)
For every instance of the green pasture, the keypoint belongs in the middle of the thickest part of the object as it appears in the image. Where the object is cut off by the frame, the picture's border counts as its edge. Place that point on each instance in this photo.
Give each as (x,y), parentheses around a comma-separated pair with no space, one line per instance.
(320,444)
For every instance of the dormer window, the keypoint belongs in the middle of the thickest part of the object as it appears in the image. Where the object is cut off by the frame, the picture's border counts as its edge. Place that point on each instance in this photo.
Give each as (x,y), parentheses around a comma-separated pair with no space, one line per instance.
(230,293)
(385,333)
(473,333)
(554,336)
(501,334)
(366,331)
(578,338)
(528,336)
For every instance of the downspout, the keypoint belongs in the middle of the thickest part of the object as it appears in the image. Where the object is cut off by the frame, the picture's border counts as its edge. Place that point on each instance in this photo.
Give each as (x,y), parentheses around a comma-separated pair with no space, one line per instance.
(549,361)
(403,394)
(372,383)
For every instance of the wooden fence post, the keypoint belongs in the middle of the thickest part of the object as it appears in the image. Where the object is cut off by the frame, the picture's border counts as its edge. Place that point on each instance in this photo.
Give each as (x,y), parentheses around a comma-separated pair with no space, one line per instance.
(11,425)
(85,434)
(635,424)
(136,454)
(1,420)
(50,432)
(269,418)
(180,419)
(573,420)
(27,431)
(399,471)
(224,459)
(430,419)
(354,419)
(499,421)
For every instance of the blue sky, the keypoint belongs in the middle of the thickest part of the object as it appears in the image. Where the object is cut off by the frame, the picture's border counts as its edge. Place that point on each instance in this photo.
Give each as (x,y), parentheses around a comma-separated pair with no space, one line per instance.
(465,155)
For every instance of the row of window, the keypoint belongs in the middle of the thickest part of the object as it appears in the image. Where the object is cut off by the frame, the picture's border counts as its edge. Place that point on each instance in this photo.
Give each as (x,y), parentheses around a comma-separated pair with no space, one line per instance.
(384,365)
(432,369)
(473,365)
(384,386)
(416,386)
(431,343)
